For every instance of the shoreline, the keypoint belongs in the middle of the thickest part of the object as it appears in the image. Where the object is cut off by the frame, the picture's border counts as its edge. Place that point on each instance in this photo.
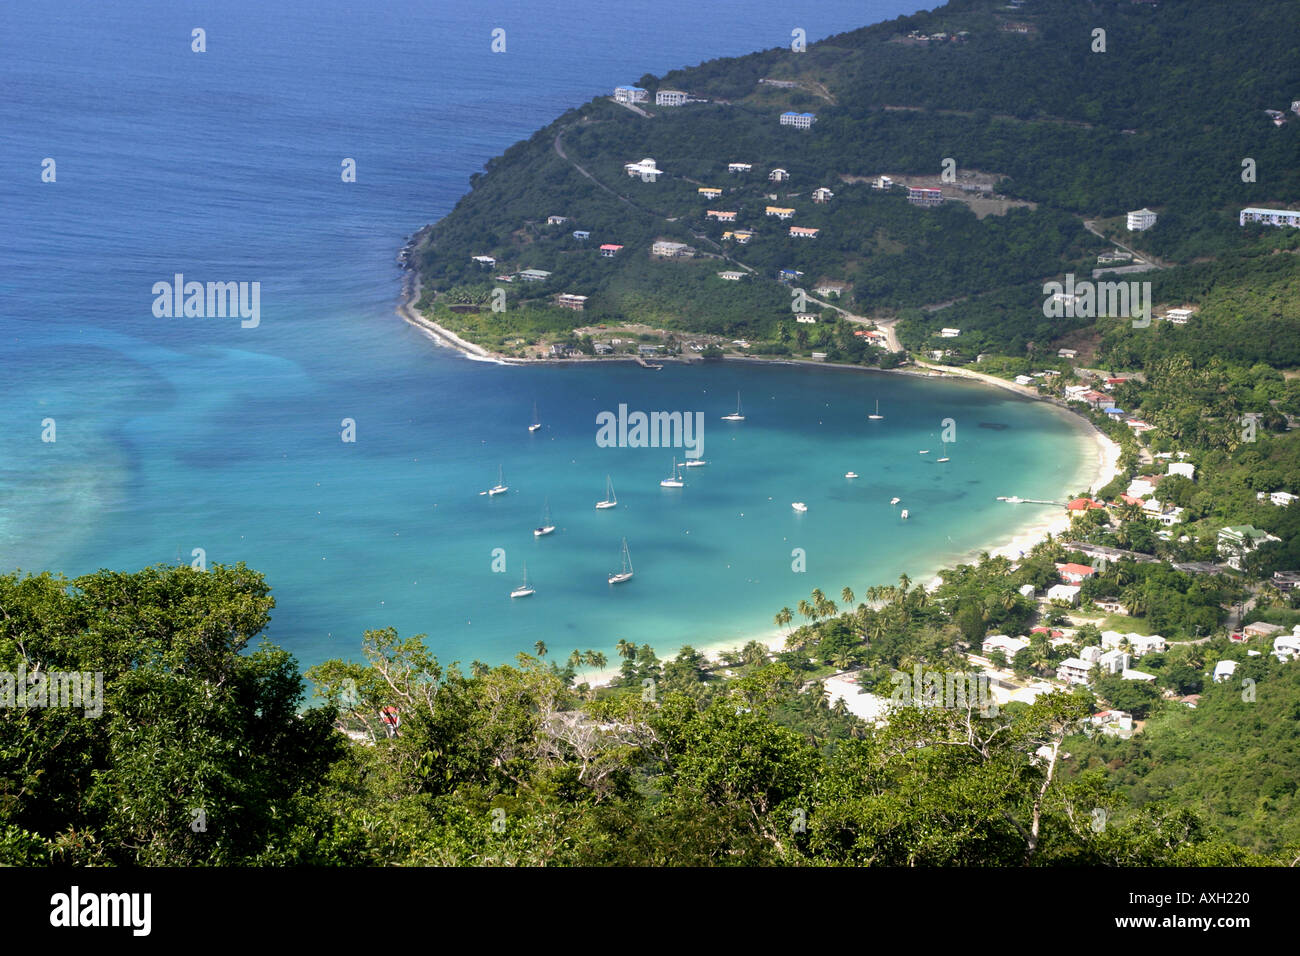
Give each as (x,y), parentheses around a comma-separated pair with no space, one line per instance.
(1100,466)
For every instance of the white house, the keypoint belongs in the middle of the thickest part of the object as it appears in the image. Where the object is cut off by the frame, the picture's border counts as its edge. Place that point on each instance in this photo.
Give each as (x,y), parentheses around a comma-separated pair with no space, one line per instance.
(1141,644)
(1069,593)
(1179,316)
(1286,647)
(1072,670)
(1027,590)
(1270,217)
(1140,219)
(949,333)
(646,169)
(1224,670)
(779,175)
(1237,541)
(1113,662)
(1183,468)
(1010,646)
(485,261)
(1116,723)
(798,120)
(1130,674)
(822,194)
(671,250)
(630,94)
(739,167)
(671,98)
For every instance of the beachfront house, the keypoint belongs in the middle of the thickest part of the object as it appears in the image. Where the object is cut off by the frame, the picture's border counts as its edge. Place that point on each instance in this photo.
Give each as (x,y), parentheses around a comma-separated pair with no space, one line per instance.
(1075,573)
(1068,593)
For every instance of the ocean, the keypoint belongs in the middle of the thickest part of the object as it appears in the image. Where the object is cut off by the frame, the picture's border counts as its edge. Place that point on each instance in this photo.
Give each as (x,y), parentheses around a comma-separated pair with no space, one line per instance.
(176,435)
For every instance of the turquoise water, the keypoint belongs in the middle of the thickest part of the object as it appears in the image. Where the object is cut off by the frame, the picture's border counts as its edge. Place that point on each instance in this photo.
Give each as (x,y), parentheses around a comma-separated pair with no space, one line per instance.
(176,434)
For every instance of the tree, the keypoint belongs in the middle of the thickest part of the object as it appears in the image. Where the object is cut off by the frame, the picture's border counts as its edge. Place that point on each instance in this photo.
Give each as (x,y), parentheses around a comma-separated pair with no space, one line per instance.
(540,648)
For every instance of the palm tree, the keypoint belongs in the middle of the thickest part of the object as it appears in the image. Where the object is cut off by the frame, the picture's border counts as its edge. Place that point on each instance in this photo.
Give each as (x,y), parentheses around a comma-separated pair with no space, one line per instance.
(575,660)
(540,648)
(783,617)
(847,595)
(626,649)
(807,610)
(904,582)
(826,607)
(479,669)
(595,659)
(841,660)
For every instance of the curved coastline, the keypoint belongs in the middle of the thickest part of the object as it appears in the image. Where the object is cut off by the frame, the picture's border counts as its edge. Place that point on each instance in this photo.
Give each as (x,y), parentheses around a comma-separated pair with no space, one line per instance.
(1100,463)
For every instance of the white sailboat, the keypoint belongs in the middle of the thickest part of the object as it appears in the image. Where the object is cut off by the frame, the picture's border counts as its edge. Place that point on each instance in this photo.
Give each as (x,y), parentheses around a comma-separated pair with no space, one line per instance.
(876,417)
(500,487)
(618,577)
(799,506)
(672,481)
(925,451)
(903,515)
(537,422)
(546,526)
(523,590)
(850,474)
(945,453)
(694,463)
(735,416)
(610,500)
(894,501)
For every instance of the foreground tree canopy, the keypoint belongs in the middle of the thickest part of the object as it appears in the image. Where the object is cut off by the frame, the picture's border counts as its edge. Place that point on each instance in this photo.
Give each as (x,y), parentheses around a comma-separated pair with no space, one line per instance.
(205,753)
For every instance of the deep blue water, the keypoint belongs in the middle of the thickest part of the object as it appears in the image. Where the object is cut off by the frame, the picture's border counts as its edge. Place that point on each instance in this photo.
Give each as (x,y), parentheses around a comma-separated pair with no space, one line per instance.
(175,434)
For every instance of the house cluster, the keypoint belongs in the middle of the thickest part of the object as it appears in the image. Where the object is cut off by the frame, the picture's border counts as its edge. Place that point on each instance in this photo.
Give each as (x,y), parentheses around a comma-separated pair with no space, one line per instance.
(916,36)
(798,120)
(1270,217)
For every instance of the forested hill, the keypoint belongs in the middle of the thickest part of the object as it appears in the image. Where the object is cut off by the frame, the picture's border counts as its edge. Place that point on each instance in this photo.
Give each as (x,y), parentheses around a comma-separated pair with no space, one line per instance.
(1066,111)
